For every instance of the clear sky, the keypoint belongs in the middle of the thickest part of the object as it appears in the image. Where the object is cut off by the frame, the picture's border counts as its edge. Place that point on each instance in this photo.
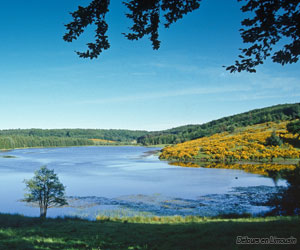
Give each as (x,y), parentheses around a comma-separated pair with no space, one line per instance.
(45,85)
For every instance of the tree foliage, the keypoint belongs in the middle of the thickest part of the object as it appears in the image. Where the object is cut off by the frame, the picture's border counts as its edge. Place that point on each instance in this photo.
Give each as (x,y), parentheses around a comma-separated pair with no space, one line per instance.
(94,13)
(294,127)
(273,140)
(10,139)
(23,138)
(272,22)
(145,15)
(287,202)
(46,190)
(107,134)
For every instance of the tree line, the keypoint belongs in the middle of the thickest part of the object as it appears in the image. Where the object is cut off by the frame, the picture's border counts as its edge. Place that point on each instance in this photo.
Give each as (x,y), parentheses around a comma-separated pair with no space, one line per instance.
(21,138)
(18,141)
(121,135)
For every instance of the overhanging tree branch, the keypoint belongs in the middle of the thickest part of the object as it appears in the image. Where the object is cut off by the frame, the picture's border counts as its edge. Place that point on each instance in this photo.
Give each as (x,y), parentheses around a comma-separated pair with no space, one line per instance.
(85,16)
(273,22)
(145,14)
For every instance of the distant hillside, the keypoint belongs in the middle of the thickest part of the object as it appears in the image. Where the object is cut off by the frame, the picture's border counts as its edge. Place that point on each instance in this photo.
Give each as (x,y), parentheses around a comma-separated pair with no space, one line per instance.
(276,113)
(121,135)
(22,138)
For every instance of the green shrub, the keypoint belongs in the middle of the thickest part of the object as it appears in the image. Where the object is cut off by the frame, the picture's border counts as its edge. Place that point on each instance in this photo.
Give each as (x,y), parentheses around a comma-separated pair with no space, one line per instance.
(273,140)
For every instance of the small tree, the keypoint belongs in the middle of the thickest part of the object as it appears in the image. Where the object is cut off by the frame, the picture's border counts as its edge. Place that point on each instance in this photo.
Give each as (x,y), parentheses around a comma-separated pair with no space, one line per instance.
(273,140)
(46,190)
(294,127)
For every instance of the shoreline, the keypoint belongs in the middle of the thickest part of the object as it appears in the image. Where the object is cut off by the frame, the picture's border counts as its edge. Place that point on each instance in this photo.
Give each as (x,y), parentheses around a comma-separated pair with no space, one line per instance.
(75,146)
(156,152)
(204,163)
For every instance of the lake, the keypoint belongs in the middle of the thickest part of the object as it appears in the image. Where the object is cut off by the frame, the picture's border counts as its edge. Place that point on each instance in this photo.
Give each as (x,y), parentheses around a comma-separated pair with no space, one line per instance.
(127,181)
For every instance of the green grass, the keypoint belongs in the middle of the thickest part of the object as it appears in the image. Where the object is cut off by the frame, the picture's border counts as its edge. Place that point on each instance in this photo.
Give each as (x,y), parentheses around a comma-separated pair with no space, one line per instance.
(18,232)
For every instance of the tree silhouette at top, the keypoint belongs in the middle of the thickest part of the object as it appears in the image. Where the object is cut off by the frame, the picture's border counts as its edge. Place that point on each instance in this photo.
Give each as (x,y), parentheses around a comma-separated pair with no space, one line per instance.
(274,24)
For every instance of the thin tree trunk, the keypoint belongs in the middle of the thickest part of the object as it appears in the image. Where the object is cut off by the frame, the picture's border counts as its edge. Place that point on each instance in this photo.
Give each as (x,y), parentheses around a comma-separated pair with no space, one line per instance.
(43,212)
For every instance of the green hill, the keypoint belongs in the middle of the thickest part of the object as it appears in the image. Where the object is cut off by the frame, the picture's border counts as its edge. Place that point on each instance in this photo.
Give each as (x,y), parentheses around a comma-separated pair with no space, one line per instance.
(282,112)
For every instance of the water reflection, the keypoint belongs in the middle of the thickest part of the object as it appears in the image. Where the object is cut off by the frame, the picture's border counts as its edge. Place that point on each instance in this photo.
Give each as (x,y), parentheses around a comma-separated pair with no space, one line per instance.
(268,169)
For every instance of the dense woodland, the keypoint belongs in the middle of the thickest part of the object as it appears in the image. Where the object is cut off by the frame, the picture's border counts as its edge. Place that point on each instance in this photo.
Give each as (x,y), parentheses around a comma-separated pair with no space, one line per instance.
(121,135)
(284,112)
(18,141)
(21,138)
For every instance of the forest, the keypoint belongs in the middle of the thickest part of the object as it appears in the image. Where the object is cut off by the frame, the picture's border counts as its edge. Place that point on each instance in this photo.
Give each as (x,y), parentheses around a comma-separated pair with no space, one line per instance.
(24,138)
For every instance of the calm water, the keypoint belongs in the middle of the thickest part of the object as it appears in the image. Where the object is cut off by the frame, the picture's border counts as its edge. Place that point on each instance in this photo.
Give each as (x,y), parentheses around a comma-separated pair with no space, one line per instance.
(108,178)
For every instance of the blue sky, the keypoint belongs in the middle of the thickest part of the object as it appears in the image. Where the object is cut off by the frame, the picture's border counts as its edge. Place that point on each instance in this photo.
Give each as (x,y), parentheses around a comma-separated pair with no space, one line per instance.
(45,85)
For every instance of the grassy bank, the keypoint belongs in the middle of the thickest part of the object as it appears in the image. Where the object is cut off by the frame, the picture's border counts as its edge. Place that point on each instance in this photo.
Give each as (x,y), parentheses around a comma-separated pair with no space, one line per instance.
(18,232)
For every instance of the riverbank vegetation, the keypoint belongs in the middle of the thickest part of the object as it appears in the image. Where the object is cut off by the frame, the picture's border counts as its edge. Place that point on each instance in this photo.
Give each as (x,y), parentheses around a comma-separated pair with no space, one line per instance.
(19,232)
(246,144)
(287,201)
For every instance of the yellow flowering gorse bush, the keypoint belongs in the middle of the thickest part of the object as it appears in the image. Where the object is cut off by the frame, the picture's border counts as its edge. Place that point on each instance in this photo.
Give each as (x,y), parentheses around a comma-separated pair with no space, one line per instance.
(245,144)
